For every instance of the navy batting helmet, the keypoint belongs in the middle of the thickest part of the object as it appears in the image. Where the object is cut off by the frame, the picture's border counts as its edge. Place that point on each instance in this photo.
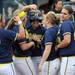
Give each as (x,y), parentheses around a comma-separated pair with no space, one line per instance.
(35,15)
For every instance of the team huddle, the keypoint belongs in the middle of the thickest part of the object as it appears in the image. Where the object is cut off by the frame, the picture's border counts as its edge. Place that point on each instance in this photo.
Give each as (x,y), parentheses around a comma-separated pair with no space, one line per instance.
(33,43)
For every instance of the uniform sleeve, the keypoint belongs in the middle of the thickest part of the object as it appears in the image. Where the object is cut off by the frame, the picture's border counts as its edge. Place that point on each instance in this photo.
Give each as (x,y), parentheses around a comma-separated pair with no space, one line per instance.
(20,41)
(16,28)
(11,35)
(66,28)
(49,37)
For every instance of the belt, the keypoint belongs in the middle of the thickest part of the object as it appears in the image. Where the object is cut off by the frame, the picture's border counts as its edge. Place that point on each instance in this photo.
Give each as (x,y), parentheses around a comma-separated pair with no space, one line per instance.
(66,56)
(4,64)
(21,57)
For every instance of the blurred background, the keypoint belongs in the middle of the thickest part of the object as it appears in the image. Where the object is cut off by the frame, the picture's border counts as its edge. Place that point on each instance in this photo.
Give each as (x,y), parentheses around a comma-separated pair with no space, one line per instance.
(7,7)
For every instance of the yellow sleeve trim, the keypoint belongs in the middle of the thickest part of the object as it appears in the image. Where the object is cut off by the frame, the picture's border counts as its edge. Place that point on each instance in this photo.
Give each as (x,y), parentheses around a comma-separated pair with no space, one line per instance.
(48,43)
(67,33)
(16,36)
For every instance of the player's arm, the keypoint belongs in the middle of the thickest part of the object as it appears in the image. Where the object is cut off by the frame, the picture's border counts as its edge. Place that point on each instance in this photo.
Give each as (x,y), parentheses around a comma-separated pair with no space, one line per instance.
(28,7)
(65,42)
(45,55)
(21,33)
(66,33)
(25,46)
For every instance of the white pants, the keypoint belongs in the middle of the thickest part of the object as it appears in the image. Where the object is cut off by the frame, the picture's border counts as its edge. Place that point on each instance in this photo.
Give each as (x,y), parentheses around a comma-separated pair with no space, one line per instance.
(24,66)
(7,69)
(67,66)
(36,61)
(51,67)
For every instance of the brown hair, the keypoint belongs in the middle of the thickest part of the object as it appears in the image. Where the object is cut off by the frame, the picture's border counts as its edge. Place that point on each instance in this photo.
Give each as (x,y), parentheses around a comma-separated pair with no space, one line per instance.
(69,9)
(53,6)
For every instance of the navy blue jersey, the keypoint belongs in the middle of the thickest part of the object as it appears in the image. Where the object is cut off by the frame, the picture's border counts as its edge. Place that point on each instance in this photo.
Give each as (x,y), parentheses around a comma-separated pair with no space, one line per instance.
(6,39)
(38,32)
(50,38)
(27,25)
(66,28)
(16,47)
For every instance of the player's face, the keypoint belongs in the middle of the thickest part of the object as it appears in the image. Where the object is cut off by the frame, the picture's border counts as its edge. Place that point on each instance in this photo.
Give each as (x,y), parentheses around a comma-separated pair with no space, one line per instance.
(35,23)
(59,5)
(47,21)
(64,15)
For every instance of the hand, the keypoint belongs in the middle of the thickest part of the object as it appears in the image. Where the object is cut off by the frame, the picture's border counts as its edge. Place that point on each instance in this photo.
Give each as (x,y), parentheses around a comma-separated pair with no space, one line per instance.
(16,18)
(33,44)
(40,67)
(33,7)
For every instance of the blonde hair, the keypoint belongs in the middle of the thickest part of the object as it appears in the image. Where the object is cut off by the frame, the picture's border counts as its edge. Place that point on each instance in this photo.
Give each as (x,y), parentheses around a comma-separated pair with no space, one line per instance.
(52,17)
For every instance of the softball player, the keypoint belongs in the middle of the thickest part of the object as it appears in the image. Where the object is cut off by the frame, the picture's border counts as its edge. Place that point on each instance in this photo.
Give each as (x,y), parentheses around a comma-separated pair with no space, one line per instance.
(22,60)
(6,39)
(25,65)
(22,54)
(36,32)
(50,63)
(67,44)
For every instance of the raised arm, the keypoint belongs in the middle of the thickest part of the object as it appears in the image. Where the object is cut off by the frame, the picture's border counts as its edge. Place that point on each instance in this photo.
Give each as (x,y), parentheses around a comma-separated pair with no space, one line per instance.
(21,33)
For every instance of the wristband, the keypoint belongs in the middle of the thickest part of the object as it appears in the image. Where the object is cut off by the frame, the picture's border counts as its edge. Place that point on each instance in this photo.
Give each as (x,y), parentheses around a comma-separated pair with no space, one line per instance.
(19,22)
(33,43)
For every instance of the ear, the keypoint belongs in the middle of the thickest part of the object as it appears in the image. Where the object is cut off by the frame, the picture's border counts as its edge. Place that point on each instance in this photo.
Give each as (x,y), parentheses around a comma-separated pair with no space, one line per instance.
(70,16)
